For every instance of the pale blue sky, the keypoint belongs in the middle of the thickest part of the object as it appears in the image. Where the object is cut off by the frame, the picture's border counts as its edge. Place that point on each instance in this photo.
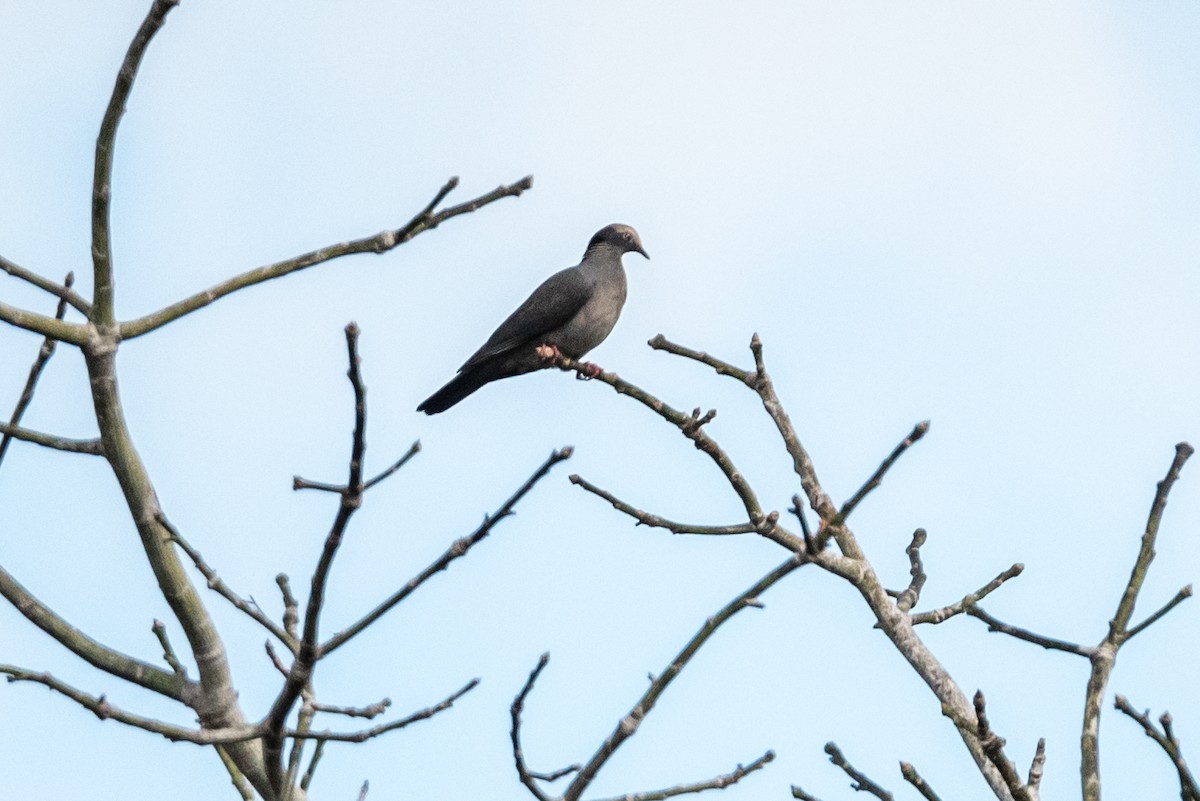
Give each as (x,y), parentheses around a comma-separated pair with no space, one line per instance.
(981,214)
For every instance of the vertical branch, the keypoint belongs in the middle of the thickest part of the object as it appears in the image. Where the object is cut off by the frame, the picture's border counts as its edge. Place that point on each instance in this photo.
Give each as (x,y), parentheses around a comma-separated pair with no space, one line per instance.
(39,364)
(309,651)
(1104,657)
(102,310)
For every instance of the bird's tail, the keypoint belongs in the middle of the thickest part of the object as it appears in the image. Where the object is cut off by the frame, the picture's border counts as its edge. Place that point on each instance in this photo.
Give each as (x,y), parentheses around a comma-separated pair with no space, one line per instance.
(459,387)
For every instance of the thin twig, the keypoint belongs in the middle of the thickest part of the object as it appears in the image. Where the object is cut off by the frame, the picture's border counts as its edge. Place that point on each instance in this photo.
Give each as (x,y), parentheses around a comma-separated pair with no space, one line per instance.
(861,781)
(919,430)
(908,599)
(458,549)
(308,652)
(379,243)
(1168,742)
(1049,643)
(810,543)
(61,291)
(798,792)
(1036,767)
(747,377)
(993,746)
(691,427)
(88,446)
(715,783)
(39,364)
(101,708)
(299,483)
(526,776)
(143,674)
(412,451)
(362,794)
(1181,596)
(629,724)
(555,775)
(291,607)
(307,778)
(372,711)
(367,734)
(160,631)
(218,585)
(936,616)
(647,519)
(236,777)
(912,777)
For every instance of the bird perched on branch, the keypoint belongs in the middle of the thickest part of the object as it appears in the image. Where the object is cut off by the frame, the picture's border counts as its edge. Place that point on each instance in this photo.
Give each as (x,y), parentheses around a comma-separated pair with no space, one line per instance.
(570,313)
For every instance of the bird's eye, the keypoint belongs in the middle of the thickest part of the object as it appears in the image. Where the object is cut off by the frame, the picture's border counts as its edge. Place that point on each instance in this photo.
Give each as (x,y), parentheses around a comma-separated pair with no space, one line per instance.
(627,236)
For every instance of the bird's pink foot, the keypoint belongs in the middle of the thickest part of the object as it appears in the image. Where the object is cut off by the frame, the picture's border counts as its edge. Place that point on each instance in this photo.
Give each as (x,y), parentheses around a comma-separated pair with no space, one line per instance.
(588,370)
(547,353)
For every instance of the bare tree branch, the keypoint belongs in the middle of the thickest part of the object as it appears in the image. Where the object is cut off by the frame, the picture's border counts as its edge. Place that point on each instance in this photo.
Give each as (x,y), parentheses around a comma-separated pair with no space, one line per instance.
(747,377)
(39,364)
(455,551)
(850,564)
(59,330)
(382,242)
(555,775)
(236,777)
(367,734)
(291,607)
(1035,769)
(647,519)
(912,777)
(369,712)
(309,651)
(1188,788)
(95,653)
(968,601)
(93,447)
(102,709)
(169,656)
(307,778)
(908,599)
(1049,643)
(715,783)
(102,313)
(860,781)
(993,746)
(692,428)
(61,291)
(1181,596)
(299,483)
(629,724)
(526,776)
(919,430)
(218,585)
(1104,658)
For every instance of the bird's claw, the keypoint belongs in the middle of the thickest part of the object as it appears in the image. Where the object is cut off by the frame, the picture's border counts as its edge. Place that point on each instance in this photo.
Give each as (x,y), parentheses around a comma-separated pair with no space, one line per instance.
(548,353)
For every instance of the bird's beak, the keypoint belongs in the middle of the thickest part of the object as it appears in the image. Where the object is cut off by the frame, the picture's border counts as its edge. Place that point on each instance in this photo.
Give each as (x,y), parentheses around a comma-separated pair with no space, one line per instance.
(642,250)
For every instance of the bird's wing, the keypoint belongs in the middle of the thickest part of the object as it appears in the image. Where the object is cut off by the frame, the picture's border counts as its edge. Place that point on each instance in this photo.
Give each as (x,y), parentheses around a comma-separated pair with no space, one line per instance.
(550,306)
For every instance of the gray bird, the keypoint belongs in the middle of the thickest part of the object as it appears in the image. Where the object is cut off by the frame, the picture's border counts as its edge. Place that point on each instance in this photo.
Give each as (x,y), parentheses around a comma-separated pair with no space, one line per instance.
(572,311)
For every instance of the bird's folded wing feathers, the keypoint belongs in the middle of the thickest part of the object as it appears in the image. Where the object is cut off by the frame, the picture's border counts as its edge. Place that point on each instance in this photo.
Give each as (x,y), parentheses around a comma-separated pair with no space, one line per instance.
(550,306)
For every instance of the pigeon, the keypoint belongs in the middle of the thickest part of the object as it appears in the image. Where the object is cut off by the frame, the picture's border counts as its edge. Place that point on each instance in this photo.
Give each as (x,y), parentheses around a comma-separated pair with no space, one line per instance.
(569,314)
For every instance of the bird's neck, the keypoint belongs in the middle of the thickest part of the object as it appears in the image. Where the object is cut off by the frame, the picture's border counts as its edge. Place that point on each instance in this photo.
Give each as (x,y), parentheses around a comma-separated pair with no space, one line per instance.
(604,251)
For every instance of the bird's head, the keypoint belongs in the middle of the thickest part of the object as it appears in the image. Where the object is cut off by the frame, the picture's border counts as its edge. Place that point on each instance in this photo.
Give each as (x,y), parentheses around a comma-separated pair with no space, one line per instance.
(621,238)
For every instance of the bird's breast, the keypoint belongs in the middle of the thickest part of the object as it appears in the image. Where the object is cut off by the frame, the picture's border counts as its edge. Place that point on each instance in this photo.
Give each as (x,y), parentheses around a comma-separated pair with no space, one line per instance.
(592,324)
